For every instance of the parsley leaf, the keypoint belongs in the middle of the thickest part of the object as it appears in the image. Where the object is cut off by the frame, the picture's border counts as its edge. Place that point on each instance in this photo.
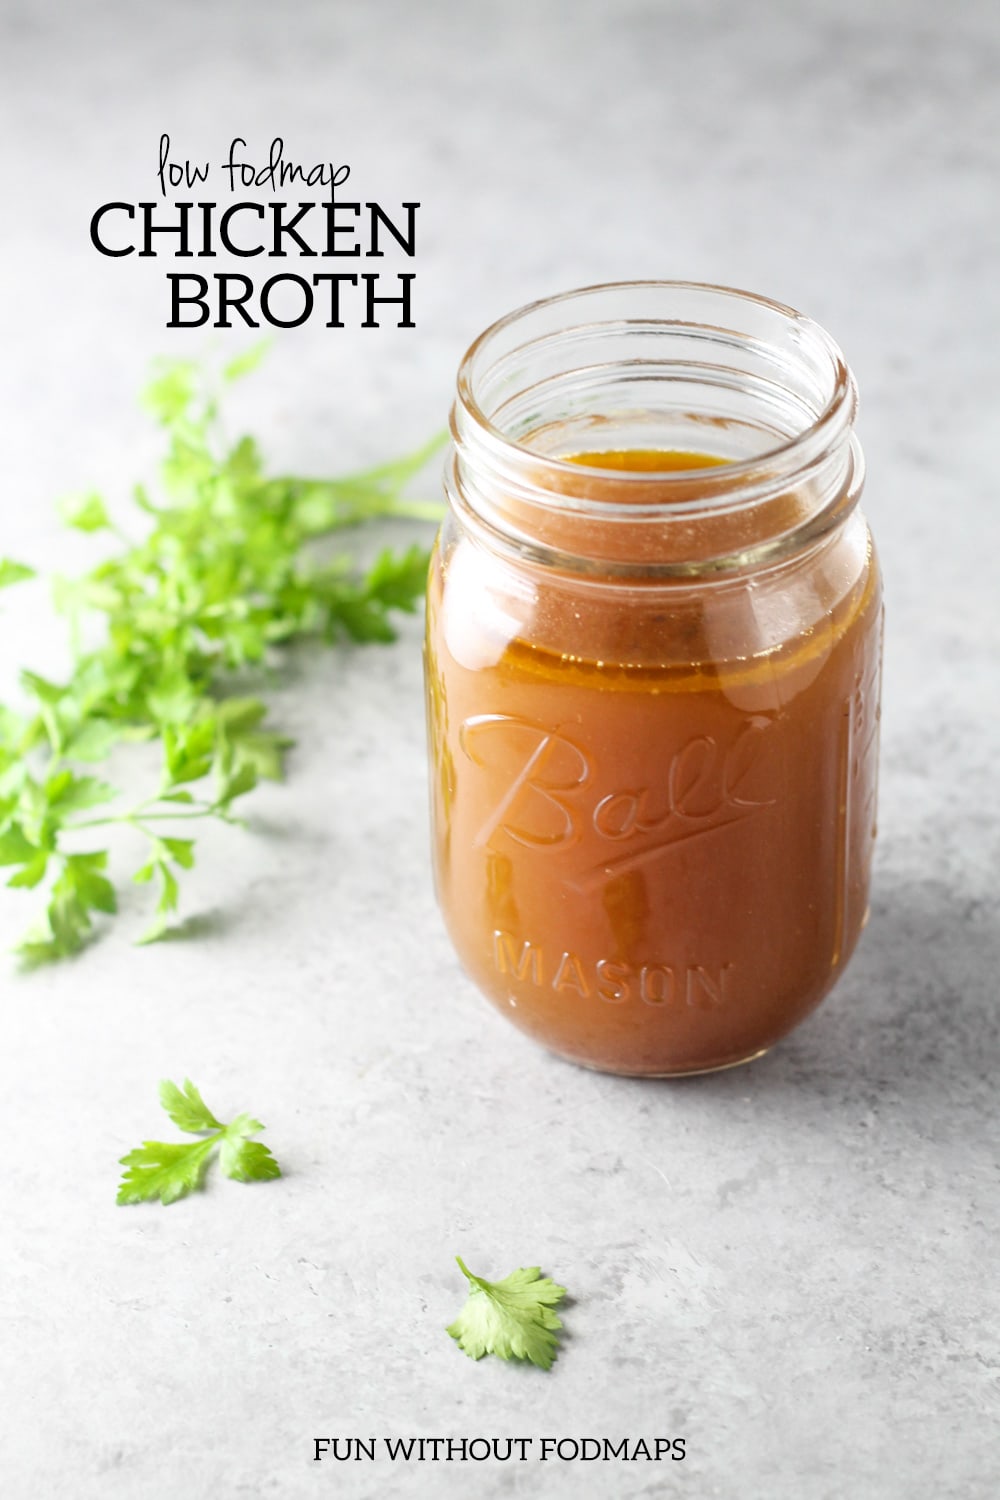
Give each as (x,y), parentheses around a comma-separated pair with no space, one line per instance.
(512,1318)
(13,572)
(187,1108)
(86,513)
(171,1170)
(227,571)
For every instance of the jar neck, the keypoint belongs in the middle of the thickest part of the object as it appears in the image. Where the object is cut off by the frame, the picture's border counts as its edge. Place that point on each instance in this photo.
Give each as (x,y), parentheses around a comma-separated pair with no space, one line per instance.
(662,367)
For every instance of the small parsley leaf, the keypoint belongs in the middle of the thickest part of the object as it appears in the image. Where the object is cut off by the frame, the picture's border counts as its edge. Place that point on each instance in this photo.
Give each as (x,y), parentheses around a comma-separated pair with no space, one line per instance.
(13,572)
(86,513)
(187,1108)
(171,1170)
(247,1161)
(512,1318)
(244,363)
(158,1169)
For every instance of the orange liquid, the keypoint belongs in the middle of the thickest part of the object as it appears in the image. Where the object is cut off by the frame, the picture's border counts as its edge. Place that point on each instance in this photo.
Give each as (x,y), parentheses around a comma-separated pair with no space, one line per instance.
(654,817)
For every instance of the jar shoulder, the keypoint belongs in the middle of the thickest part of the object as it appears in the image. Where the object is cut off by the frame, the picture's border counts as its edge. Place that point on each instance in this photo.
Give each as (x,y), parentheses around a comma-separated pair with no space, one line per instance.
(481,605)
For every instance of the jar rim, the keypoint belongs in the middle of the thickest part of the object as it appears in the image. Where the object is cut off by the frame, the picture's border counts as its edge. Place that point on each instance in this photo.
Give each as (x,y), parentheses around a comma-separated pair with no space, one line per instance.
(830,423)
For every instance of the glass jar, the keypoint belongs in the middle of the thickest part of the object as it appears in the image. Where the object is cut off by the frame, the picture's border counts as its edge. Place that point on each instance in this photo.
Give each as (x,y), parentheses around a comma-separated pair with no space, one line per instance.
(653,663)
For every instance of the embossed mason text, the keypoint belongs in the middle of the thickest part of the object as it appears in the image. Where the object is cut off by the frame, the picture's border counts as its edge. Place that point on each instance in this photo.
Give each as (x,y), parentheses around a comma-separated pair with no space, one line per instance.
(698,986)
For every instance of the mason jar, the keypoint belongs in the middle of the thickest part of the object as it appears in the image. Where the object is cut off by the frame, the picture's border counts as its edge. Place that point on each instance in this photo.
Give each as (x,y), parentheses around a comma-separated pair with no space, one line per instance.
(653,652)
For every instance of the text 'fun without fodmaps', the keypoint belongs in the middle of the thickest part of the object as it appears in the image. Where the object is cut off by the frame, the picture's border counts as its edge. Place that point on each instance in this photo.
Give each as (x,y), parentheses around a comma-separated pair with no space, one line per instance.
(482,1449)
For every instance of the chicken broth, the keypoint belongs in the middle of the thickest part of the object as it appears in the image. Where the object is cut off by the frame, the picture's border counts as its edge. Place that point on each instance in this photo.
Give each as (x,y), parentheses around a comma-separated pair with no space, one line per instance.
(654,802)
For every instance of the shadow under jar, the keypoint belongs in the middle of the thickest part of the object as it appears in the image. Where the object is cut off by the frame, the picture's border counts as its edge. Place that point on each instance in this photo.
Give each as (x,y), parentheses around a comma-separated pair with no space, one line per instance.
(653,658)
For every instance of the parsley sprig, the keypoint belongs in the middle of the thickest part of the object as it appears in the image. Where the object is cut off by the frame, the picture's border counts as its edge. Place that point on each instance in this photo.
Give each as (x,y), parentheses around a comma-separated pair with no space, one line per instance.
(227,572)
(170,1170)
(512,1318)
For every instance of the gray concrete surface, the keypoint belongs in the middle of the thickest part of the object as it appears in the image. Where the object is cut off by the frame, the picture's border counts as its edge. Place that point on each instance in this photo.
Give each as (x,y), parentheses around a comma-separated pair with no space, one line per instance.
(792,1266)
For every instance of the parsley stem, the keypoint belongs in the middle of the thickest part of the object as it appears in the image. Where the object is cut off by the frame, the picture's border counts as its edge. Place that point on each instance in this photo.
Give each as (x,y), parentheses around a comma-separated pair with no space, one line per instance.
(137,818)
(417,510)
(168,817)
